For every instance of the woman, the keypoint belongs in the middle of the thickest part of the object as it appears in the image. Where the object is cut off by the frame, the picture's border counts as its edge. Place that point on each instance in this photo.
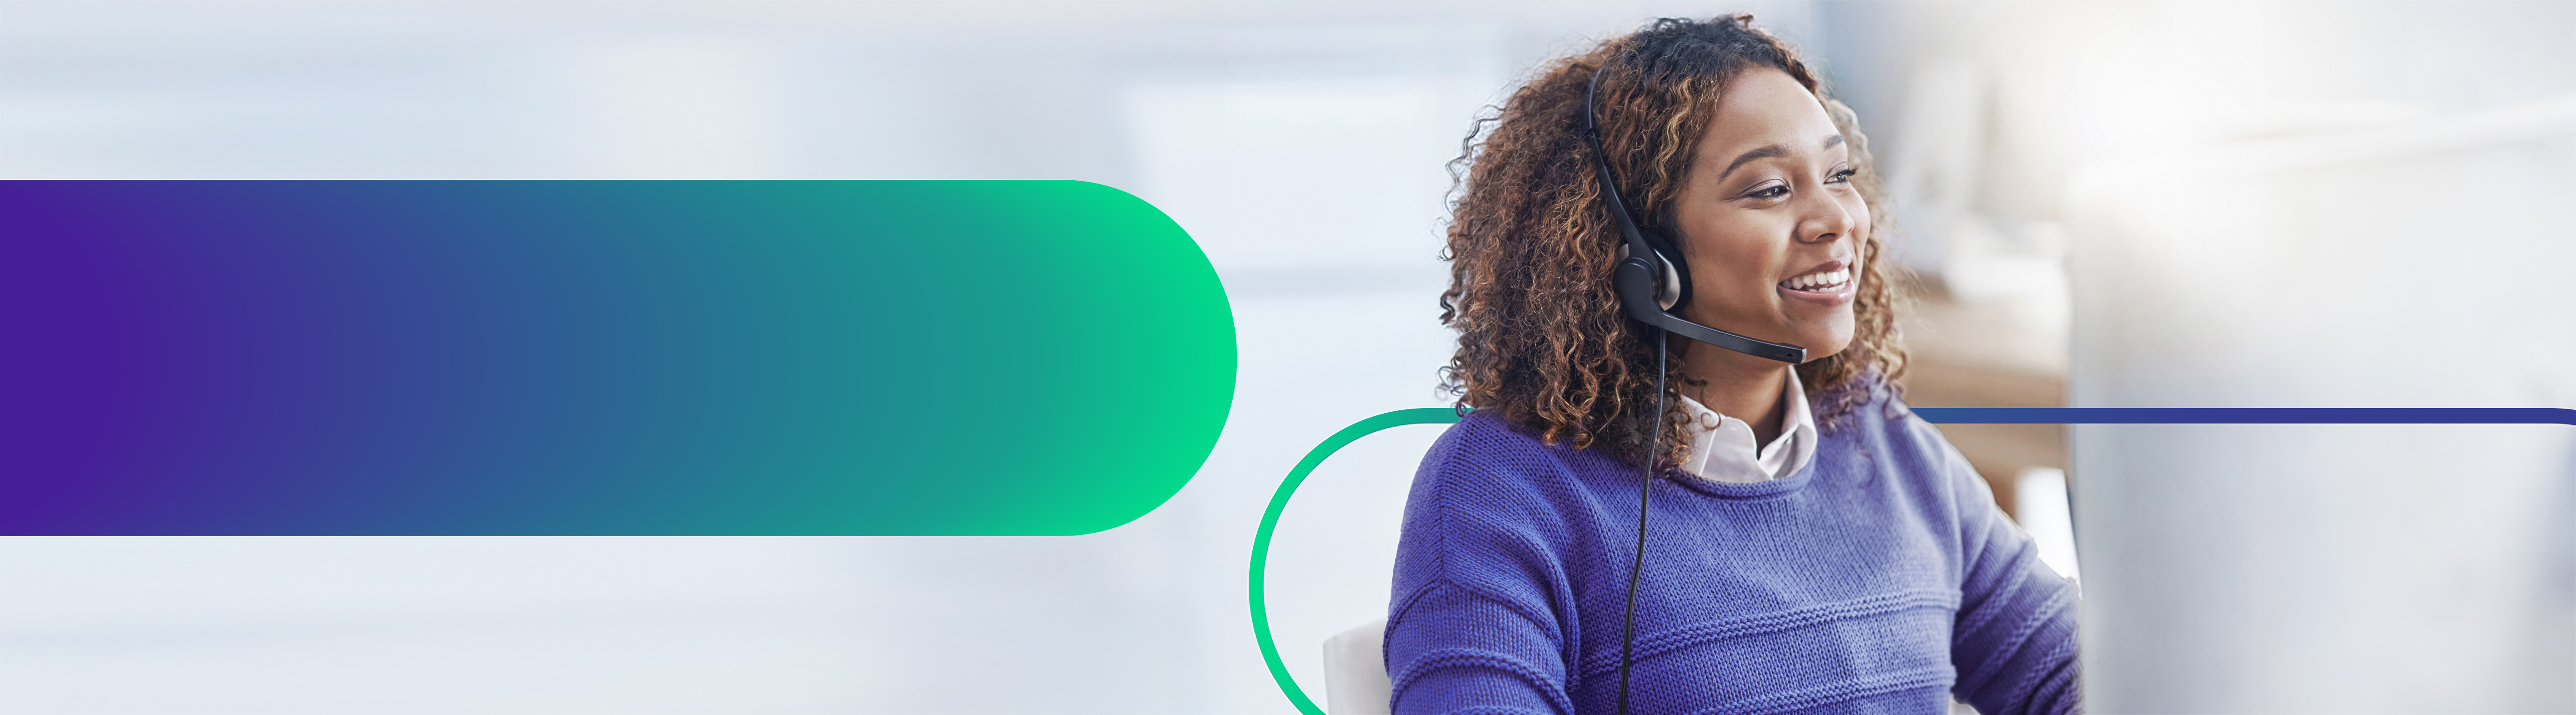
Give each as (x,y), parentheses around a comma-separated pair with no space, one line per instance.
(1812,545)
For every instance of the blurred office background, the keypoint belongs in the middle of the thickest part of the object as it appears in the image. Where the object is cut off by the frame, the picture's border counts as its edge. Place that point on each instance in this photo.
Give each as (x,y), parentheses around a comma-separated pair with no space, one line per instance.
(2308,204)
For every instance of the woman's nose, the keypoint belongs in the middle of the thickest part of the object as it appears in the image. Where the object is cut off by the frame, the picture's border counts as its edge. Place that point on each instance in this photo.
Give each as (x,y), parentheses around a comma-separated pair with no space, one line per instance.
(1824,219)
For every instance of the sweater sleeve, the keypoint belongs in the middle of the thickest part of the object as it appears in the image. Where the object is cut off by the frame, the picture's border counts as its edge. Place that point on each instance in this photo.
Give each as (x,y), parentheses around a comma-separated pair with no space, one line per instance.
(1455,649)
(2014,640)
(1475,624)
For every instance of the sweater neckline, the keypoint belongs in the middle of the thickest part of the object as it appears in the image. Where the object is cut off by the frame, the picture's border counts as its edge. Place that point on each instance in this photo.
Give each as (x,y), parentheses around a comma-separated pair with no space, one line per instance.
(1747,491)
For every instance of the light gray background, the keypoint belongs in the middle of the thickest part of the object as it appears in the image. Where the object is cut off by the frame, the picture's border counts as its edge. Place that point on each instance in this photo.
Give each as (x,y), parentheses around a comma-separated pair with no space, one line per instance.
(2240,233)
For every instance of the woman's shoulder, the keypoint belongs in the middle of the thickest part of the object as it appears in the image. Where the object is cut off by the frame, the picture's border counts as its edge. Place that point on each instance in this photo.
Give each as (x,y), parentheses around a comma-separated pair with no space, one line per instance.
(1489,468)
(1885,431)
(1875,416)
(1491,507)
(1486,433)
(1484,447)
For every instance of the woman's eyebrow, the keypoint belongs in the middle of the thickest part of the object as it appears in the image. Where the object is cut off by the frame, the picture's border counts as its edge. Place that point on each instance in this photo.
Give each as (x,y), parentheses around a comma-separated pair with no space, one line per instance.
(1768,152)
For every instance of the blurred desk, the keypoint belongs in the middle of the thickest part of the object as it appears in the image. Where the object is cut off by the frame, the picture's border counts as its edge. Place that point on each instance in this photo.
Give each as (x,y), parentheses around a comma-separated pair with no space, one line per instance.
(1969,354)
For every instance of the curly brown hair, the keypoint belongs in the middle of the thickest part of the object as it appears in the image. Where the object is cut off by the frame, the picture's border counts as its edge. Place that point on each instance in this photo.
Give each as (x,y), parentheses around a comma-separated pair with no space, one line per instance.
(1541,337)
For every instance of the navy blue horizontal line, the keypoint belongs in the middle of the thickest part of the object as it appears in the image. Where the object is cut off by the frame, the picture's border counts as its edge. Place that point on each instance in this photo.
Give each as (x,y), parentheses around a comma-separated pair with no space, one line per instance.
(2248,415)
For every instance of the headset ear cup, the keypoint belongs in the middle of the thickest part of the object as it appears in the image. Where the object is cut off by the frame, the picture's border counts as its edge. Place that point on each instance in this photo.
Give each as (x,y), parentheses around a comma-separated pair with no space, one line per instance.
(1671,293)
(1668,291)
(1676,289)
(1634,282)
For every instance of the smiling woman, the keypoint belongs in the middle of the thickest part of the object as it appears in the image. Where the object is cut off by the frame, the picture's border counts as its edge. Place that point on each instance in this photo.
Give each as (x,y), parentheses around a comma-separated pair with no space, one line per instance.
(1815,546)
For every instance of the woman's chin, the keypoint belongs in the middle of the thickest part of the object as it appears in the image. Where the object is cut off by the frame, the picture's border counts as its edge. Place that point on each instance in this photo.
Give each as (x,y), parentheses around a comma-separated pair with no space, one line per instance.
(1825,337)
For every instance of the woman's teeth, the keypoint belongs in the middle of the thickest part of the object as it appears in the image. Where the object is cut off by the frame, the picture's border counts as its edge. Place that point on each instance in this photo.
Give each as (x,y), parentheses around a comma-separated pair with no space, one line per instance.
(1826,281)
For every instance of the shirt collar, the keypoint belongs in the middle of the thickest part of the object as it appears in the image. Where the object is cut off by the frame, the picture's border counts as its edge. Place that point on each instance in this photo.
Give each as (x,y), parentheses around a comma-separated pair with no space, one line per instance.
(1723,449)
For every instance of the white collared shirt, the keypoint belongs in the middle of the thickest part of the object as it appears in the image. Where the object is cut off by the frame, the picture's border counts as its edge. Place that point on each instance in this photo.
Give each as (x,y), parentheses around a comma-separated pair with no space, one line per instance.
(1722,447)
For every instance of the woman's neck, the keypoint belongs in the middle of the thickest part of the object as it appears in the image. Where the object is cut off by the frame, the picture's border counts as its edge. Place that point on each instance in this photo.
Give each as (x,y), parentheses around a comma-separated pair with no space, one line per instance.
(1740,386)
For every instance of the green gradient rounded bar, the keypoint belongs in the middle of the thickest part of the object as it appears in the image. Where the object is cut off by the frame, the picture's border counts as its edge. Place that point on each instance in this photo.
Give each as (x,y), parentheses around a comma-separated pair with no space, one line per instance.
(601,357)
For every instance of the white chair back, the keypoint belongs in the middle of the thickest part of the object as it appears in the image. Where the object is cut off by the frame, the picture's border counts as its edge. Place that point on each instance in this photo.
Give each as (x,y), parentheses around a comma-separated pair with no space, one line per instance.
(1355,680)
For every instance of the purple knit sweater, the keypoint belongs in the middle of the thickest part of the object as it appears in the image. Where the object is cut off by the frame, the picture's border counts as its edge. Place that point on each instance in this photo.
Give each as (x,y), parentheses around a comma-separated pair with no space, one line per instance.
(1880,579)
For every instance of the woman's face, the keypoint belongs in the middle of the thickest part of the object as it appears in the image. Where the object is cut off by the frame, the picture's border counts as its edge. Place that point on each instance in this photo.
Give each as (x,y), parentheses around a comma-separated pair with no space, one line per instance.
(1769,220)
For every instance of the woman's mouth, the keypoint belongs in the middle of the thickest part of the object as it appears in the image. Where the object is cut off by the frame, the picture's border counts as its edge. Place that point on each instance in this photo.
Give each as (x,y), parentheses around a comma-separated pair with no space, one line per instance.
(1829,281)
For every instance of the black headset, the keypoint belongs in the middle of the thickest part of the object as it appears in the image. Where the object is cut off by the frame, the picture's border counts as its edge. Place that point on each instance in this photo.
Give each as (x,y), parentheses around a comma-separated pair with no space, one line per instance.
(1651,281)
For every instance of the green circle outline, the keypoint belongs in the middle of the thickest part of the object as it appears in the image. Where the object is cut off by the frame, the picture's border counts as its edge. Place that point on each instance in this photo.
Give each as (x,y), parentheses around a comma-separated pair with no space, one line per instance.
(1279,503)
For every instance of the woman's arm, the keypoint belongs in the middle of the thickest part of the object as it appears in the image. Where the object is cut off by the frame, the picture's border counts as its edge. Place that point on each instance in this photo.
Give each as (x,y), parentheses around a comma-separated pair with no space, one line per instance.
(1455,649)
(2014,640)
(1475,625)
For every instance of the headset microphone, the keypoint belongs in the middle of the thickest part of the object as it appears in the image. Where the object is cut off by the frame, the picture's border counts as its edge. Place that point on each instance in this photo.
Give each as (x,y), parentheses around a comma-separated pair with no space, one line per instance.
(1651,281)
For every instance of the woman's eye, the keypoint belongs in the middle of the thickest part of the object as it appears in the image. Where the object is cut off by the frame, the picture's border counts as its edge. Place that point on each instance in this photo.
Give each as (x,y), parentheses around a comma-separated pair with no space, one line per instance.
(1841,177)
(1768,191)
